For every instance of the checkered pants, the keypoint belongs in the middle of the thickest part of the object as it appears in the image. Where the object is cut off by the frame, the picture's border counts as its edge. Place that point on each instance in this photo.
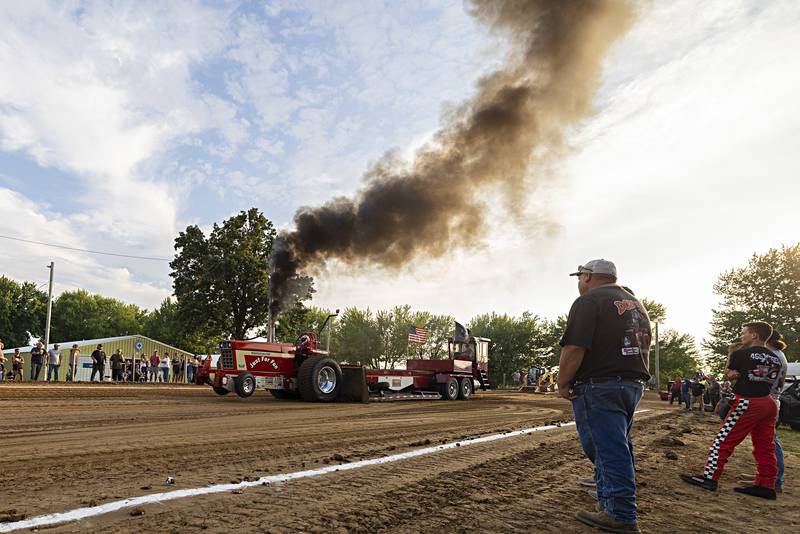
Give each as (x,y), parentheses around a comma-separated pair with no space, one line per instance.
(753,416)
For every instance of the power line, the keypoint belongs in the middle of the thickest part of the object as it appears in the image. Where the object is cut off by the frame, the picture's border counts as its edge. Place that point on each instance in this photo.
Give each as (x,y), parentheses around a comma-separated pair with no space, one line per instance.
(151,258)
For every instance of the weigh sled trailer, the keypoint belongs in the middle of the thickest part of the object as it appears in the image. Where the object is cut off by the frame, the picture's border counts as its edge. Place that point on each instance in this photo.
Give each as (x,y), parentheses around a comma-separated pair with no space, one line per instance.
(302,370)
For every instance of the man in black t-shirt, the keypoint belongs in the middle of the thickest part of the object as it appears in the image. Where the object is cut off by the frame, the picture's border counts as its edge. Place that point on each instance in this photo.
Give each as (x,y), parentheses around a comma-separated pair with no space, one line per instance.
(756,370)
(37,360)
(98,362)
(604,362)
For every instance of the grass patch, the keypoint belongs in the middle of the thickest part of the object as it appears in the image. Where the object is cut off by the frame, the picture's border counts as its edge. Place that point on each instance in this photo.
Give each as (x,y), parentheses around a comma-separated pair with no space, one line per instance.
(790,440)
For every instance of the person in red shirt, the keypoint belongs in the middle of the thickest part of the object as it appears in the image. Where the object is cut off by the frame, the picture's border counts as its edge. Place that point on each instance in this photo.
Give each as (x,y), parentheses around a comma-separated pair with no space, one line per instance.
(756,370)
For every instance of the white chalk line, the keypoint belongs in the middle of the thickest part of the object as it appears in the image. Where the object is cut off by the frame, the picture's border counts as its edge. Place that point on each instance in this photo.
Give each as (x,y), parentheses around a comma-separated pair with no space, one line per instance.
(101,509)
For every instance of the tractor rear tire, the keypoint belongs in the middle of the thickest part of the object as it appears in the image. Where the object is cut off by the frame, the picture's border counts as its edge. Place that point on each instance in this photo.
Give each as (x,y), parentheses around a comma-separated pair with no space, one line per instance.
(245,385)
(450,389)
(465,388)
(319,379)
(220,390)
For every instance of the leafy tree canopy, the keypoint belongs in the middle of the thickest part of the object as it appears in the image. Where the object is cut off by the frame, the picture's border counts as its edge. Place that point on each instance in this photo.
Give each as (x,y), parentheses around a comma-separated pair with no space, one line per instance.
(221,281)
(768,289)
(23,310)
(82,315)
(678,356)
(517,342)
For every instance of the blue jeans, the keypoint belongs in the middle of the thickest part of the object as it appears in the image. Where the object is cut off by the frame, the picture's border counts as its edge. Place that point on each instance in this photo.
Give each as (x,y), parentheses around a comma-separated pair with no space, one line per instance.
(52,371)
(779,458)
(603,417)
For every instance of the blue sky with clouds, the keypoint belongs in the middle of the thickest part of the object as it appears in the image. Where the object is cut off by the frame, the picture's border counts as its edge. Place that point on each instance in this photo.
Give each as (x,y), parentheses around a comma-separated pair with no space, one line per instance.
(122,122)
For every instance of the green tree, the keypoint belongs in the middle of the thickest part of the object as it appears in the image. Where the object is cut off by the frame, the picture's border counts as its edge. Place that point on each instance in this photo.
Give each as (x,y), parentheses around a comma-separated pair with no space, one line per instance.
(301,319)
(164,324)
(655,310)
(551,351)
(355,338)
(768,289)
(221,281)
(81,315)
(678,356)
(23,310)
(516,343)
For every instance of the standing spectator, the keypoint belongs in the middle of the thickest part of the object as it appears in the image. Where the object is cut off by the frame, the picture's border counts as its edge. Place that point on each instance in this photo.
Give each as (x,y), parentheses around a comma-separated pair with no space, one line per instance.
(777,344)
(98,362)
(602,369)
(696,391)
(191,368)
(755,369)
(154,372)
(2,363)
(17,366)
(165,367)
(515,376)
(143,368)
(54,361)
(176,368)
(713,391)
(117,363)
(685,394)
(74,354)
(37,360)
(675,391)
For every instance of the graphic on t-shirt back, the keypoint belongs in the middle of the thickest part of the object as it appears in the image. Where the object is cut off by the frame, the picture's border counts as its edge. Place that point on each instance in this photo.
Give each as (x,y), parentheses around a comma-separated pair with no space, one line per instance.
(637,334)
(767,371)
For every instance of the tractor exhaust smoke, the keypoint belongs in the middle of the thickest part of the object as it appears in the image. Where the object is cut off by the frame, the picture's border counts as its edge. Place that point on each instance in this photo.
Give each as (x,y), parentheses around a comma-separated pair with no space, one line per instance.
(501,140)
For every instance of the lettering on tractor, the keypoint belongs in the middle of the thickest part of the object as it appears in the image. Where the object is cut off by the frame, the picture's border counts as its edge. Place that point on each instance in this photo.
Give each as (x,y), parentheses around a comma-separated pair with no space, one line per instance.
(303,370)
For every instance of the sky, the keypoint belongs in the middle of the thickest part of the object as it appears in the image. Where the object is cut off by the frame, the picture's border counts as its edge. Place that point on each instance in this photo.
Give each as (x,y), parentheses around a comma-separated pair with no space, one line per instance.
(123,122)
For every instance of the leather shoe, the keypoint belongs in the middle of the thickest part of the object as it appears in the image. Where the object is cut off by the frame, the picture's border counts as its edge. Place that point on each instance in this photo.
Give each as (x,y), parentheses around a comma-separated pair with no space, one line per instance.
(605,522)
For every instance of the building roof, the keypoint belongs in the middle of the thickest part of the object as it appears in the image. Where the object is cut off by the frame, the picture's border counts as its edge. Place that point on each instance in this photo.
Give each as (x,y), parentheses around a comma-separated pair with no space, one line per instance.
(95,342)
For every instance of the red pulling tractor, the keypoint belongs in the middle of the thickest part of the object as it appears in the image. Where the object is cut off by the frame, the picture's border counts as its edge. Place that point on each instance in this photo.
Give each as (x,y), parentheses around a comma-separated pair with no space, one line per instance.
(303,370)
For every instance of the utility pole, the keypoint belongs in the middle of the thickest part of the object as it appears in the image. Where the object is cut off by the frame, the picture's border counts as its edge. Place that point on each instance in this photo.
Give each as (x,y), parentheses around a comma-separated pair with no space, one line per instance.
(52,268)
(658,363)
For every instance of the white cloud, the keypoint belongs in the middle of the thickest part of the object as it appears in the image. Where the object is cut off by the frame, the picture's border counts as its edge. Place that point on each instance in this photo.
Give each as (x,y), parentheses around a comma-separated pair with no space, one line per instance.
(27,219)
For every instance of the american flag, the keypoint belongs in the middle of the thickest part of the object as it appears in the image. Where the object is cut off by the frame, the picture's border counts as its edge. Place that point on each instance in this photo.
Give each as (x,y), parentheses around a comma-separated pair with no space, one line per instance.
(417,335)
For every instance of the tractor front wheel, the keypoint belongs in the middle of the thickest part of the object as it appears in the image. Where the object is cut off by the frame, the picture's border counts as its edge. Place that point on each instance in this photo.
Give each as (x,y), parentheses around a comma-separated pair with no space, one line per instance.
(319,379)
(245,385)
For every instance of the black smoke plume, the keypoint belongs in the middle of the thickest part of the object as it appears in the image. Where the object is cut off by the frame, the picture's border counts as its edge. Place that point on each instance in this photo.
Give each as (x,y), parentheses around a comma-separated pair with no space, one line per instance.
(500,140)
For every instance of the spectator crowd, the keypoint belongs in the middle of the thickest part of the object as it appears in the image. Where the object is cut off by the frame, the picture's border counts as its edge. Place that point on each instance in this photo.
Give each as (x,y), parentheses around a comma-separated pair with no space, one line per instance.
(46,364)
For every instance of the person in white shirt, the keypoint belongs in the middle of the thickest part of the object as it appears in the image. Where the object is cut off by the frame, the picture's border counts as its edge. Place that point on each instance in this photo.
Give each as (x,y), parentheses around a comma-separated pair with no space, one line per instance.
(54,361)
(164,365)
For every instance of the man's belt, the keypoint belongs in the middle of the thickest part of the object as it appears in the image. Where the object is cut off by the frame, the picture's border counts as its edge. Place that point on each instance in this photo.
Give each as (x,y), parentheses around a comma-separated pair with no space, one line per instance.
(602,379)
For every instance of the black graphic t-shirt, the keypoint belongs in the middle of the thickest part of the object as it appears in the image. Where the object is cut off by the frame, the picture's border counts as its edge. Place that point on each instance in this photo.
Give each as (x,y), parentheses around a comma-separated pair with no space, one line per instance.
(759,368)
(613,327)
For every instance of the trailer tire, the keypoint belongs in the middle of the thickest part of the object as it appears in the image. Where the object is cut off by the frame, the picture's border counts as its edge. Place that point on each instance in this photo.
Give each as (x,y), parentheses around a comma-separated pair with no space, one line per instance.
(245,385)
(220,390)
(319,379)
(450,389)
(465,388)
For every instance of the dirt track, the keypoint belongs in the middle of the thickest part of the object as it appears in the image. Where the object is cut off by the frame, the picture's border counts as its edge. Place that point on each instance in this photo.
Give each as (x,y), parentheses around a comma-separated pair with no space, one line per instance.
(66,447)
